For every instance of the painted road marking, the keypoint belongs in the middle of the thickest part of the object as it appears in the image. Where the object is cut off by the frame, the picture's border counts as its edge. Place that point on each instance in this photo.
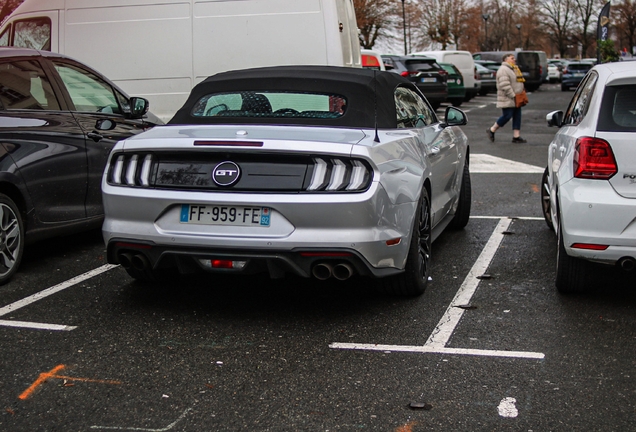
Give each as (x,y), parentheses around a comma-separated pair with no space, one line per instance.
(52,374)
(124,428)
(440,336)
(484,163)
(45,293)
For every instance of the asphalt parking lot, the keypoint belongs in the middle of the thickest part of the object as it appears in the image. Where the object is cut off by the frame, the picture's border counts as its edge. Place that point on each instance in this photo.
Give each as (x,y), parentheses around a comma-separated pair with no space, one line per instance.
(490,346)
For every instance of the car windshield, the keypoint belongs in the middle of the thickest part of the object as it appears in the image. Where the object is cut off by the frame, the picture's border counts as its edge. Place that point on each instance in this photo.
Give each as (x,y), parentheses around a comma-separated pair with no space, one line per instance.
(248,104)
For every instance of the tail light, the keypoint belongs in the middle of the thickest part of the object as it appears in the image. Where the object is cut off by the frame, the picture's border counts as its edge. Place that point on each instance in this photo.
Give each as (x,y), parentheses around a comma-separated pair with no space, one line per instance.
(540,70)
(565,70)
(443,73)
(409,73)
(594,159)
(477,75)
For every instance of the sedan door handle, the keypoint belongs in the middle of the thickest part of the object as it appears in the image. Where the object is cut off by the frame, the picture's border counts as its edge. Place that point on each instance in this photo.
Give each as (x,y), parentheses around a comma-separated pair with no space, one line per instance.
(95,136)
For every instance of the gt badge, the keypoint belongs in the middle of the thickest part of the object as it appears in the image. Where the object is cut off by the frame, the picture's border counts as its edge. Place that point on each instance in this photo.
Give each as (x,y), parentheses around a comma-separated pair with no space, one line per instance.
(226,173)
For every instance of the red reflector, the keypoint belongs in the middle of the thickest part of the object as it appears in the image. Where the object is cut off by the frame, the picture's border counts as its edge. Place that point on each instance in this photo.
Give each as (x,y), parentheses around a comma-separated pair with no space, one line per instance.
(594,159)
(132,245)
(589,246)
(223,264)
(393,242)
(325,254)
(405,73)
(229,143)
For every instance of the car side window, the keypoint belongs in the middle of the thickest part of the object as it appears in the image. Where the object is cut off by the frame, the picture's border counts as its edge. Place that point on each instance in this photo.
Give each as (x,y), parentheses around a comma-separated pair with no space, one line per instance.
(411,110)
(4,37)
(581,101)
(24,85)
(33,33)
(88,92)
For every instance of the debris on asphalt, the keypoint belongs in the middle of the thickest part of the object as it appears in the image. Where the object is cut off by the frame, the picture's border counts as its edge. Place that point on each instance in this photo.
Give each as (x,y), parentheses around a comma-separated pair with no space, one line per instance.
(420,406)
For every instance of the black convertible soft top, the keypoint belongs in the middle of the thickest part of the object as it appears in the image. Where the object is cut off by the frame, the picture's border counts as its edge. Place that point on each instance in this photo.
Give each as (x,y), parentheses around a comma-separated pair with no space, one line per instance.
(369,94)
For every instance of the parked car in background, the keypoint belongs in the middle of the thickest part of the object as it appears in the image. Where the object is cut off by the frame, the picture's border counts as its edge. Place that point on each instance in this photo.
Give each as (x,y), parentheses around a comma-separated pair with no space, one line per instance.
(455,81)
(59,120)
(316,171)
(573,73)
(463,61)
(490,64)
(371,60)
(424,72)
(588,190)
(533,64)
(488,78)
(161,49)
(554,74)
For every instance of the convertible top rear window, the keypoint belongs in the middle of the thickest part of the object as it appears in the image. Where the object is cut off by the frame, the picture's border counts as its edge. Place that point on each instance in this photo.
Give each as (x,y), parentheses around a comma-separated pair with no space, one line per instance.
(618,110)
(250,104)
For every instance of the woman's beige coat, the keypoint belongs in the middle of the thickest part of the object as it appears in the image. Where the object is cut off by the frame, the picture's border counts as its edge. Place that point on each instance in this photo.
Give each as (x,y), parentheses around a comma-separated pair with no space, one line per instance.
(507,86)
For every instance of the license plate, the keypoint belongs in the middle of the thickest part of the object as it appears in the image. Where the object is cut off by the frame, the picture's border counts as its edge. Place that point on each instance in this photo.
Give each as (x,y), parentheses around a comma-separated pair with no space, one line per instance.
(429,80)
(225,215)
(578,75)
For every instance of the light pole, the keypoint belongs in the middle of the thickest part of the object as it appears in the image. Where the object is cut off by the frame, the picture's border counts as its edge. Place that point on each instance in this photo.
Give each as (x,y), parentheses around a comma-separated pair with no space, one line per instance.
(520,39)
(404,25)
(485,17)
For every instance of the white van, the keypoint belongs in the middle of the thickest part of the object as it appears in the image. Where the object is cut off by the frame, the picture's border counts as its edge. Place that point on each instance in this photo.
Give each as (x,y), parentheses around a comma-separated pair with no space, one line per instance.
(160,49)
(463,60)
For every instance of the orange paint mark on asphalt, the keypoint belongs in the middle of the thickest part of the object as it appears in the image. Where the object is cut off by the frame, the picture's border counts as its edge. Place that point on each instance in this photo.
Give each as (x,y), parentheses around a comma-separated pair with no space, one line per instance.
(535,188)
(53,374)
(407,427)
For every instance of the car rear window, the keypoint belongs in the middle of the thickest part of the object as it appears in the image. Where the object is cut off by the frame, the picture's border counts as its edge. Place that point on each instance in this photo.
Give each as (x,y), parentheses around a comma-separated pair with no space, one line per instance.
(419,65)
(579,67)
(250,104)
(618,109)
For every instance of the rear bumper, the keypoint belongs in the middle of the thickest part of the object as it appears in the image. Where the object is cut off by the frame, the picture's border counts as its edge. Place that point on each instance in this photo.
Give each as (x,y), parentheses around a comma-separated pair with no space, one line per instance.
(593,213)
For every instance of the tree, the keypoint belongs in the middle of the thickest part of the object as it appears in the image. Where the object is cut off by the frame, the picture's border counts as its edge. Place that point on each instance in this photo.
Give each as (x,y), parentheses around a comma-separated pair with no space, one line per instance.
(557,16)
(374,17)
(586,11)
(7,7)
(625,23)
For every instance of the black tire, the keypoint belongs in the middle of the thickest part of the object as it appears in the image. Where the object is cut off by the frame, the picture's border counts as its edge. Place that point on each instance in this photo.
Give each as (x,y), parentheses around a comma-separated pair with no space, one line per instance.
(546,206)
(462,215)
(11,238)
(572,274)
(414,279)
(435,106)
(457,102)
(564,88)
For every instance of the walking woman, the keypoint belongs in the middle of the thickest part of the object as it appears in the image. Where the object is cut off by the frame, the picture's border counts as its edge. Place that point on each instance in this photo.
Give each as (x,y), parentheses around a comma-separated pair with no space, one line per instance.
(509,83)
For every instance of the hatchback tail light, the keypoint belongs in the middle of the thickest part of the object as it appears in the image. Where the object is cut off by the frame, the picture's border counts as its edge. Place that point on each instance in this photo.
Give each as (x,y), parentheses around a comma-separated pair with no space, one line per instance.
(409,73)
(594,159)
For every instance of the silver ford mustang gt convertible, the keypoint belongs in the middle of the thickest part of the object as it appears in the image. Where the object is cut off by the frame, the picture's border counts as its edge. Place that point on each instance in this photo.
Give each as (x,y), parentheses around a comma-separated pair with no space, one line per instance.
(317,171)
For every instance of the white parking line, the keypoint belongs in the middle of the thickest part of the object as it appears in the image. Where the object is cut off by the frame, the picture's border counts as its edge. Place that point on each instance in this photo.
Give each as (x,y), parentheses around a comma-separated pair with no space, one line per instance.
(45,293)
(440,336)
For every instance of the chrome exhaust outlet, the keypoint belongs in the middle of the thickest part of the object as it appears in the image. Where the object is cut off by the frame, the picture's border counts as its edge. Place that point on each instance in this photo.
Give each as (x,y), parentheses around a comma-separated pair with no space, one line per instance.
(322,271)
(140,262)
(342,271)
(627,264)
(125,260)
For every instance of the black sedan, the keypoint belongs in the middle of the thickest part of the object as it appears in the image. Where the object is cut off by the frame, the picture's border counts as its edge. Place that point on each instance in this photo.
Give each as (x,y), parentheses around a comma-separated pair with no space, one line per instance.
(59,120)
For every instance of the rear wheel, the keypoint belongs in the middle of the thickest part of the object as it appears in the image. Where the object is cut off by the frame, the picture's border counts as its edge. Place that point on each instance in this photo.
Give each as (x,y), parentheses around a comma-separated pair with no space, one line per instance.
(460,220)
(564,88)
(546,205)
(11,238)
(572,274)
(414,279)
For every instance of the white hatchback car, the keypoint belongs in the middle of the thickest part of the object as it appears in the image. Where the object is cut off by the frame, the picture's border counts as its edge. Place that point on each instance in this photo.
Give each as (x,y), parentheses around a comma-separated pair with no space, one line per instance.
(589,187)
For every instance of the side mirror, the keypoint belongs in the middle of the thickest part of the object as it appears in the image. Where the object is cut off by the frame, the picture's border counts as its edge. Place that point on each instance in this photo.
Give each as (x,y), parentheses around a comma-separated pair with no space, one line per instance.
(555,118)
(454,117)
(138,107)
